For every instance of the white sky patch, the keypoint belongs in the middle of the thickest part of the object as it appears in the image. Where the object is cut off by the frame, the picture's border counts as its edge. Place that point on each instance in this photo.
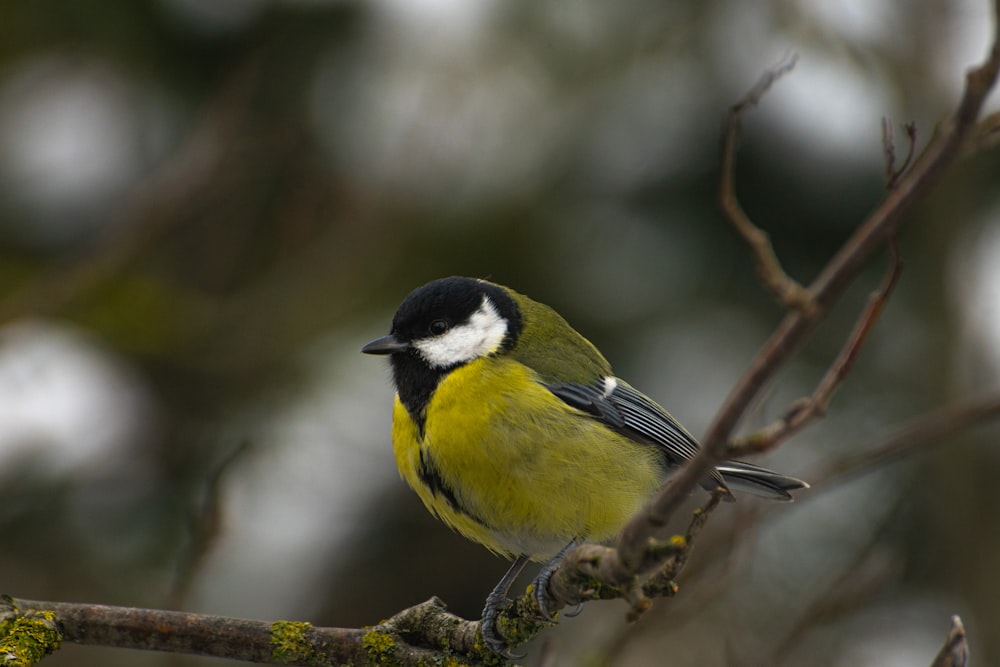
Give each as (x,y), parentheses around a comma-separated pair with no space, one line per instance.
(873,21)
(968,28)
(436,24)
(67,404)
(828,105)
(480,336)
(75,133)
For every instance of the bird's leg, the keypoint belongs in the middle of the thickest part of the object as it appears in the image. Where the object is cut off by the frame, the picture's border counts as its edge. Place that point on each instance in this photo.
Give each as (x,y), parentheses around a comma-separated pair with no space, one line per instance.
(496,601)
(541,583)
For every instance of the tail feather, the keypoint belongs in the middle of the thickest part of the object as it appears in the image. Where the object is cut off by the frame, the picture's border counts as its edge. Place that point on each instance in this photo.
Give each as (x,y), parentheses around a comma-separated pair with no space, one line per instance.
(759,481)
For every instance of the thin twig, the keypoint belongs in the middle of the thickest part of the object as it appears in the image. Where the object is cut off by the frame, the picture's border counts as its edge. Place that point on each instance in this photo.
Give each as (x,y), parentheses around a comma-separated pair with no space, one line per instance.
(892,174)
(911,137)
(204,527)
(888,149)
(787,291)
(805,410)
(927,431)
(663,584)
(592,572)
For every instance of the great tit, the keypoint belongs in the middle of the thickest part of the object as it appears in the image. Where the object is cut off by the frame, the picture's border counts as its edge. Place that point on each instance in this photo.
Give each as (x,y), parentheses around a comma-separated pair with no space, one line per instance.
(513,430)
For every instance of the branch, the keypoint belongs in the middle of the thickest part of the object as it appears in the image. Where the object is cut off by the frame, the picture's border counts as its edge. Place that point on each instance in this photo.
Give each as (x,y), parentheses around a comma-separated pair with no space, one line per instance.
(945,146)
(419,635)
(282,642)
(594,572)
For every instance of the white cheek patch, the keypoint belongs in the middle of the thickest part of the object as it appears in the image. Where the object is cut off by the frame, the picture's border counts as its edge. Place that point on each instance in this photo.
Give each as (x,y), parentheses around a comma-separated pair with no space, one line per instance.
(479,337)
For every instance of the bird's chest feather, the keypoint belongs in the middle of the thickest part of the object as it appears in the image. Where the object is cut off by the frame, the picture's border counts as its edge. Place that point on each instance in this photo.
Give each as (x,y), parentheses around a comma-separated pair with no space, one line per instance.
(502,456)
(477,431)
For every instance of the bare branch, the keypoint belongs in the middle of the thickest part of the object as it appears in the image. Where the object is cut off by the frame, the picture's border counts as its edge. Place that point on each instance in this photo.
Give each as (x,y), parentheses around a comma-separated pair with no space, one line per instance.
(880,225)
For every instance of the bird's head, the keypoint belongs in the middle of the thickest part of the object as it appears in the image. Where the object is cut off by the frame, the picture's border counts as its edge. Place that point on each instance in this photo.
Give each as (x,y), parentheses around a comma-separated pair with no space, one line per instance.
(443,325)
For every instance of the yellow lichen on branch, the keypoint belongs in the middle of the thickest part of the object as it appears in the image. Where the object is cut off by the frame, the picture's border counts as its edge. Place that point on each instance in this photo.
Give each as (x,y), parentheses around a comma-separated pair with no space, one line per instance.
(27,638)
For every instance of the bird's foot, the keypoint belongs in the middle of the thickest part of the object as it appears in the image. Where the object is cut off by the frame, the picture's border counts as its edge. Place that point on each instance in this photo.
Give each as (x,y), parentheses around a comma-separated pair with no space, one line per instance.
(540,586)
(494,605)
(496,602)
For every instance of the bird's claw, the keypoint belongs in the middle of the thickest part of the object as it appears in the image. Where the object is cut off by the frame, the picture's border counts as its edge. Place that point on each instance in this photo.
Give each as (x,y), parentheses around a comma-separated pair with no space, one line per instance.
(491,635)
(538,591)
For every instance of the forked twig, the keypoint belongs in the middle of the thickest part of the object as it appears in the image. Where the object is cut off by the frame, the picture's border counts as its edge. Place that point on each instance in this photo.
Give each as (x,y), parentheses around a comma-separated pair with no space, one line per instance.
(892,173)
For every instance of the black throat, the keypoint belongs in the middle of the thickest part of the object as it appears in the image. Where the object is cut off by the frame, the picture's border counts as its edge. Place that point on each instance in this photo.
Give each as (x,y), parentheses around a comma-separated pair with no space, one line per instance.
(452,300)
(415,383)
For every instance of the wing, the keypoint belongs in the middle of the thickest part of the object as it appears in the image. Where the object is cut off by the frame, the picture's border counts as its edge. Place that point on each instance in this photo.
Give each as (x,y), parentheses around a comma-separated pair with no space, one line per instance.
(632,413)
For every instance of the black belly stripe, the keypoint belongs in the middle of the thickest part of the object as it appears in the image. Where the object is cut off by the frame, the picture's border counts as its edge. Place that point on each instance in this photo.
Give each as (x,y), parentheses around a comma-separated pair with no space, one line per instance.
(430,476)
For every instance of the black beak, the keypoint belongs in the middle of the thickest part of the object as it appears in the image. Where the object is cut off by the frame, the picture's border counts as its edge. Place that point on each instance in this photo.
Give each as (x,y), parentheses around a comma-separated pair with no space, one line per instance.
(386,345)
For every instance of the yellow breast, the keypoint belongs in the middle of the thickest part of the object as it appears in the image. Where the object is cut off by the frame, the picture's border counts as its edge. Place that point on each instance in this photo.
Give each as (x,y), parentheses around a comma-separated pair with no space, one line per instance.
(506,463)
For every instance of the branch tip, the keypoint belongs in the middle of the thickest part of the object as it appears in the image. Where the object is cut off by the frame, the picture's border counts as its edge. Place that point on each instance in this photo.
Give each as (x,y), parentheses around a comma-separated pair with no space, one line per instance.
(955,651)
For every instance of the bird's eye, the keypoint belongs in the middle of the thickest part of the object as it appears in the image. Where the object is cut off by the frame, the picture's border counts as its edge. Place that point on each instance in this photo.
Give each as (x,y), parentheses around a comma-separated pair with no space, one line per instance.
(438,327)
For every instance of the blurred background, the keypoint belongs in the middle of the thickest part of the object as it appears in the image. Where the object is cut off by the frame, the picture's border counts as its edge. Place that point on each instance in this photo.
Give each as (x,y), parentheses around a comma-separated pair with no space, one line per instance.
(206,208)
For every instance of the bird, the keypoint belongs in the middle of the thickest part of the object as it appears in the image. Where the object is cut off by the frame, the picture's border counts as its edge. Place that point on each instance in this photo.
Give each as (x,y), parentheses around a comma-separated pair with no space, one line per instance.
(514,431)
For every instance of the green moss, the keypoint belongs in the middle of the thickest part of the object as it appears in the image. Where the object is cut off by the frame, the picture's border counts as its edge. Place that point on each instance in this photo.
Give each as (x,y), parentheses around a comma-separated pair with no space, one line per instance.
(380,647)
(290,645)
(8,614)
(29,638)
(485,654)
